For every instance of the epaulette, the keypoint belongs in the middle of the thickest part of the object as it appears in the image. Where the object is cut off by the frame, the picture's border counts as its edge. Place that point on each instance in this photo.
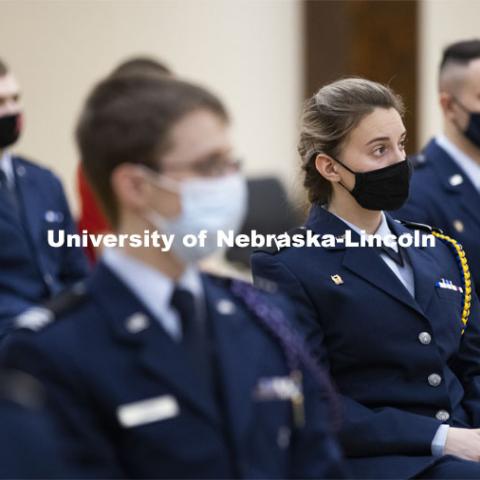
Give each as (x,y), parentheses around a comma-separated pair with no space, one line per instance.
(419,160)
(419,226)
(38,317)
(272,250)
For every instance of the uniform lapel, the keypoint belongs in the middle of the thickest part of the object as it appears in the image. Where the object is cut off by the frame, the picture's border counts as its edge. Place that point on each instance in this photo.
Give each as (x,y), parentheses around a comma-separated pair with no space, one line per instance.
(159,354)
(237,352)
(365,262)
(7,212)
(425,270)
(30,198)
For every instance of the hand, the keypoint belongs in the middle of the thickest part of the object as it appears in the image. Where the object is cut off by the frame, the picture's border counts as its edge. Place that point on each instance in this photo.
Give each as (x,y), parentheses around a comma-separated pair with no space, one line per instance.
(463,443)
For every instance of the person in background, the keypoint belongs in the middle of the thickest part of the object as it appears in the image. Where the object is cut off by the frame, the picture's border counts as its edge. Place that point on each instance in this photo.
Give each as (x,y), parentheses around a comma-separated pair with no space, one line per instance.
(91,218)
(445,190)
(141,65)
(153,369)
(399,327)
(32,201)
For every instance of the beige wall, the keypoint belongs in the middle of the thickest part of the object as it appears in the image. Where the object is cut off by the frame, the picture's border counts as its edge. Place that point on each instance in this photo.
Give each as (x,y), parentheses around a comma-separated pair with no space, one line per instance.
(248,51)
(441,22)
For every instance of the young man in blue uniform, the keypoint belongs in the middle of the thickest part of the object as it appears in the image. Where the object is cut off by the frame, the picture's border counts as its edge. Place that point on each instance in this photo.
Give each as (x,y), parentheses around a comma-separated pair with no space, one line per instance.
(32,202)
(445,189)
(153,369)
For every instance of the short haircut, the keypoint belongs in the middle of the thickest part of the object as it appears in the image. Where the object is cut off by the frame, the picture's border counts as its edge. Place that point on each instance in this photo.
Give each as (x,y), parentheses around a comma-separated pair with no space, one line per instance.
(3,68)
(455,59)
(139,65)
(128,119)
(461,53)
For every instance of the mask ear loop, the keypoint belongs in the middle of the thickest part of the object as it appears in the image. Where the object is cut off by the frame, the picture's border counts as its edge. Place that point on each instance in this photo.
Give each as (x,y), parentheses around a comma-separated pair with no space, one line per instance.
(465,109)
(460,104)
(347,168)
(314,155)
(160,181)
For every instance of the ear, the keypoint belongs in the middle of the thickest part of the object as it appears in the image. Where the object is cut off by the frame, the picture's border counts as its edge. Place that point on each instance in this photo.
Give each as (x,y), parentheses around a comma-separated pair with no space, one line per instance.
(129,186)
(327,167)
(448,105)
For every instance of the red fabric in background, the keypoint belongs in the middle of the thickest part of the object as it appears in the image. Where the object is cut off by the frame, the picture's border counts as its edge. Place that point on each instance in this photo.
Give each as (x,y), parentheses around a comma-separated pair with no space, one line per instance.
(91,218)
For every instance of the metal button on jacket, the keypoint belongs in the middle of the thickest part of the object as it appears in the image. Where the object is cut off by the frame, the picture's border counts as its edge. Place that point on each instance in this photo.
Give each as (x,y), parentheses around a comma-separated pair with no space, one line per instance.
(434,379)
(442,415)
(425,338)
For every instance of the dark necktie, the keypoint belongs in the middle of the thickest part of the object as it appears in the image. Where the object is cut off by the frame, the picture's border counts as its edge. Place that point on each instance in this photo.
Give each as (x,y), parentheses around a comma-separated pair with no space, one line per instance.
(397,257)
(194,335)
(7,193)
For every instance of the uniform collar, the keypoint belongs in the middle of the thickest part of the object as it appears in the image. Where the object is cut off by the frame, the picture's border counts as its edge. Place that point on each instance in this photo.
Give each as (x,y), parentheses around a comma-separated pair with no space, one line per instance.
(383,229)
(320,220)
(470,168)
(151,286)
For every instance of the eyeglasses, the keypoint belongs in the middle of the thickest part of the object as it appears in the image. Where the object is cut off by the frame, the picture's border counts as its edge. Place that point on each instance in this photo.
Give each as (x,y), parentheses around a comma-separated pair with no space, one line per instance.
(210,167)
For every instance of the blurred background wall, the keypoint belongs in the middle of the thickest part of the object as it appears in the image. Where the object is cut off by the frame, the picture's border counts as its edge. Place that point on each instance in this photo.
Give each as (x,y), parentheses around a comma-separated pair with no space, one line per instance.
(249,52)
(262,56)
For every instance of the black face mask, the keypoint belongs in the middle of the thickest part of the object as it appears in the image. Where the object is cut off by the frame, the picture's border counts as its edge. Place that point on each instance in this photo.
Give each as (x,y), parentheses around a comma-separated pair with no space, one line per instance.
(10,127)
(472,132)
(382,189)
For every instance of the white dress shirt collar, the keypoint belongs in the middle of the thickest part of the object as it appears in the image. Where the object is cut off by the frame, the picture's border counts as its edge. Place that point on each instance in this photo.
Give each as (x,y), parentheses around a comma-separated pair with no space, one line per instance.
(469,166)
(7,166)
(153,288)
(383,229)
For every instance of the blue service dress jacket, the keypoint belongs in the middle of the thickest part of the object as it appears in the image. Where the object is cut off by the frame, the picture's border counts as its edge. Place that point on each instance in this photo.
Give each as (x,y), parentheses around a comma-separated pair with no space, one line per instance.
(130,405)
(31,271)
(442,195)
(29,444)
(401,364)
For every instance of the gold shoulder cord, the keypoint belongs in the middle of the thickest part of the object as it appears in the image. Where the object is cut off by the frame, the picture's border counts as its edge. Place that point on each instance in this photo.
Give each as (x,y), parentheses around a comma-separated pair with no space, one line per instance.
(467,282)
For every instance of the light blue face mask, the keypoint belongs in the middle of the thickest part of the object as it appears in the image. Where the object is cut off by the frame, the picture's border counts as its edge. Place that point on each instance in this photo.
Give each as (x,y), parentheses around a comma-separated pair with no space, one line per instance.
(210,204)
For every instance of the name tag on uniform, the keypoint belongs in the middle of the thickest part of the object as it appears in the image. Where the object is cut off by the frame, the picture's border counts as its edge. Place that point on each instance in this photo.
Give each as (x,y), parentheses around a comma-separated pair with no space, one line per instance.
(448,285)
(147,411)
(276,388)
